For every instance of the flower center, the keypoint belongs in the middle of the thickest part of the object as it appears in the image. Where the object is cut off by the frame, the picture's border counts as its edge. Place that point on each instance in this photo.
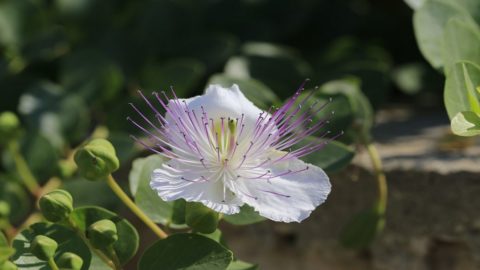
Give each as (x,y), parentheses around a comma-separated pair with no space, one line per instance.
(225,141)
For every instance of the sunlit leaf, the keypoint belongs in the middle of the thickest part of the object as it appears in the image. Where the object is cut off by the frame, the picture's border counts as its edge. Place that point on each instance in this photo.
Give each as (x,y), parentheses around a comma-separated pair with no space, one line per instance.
(429,22)
(466,124)
(460,94)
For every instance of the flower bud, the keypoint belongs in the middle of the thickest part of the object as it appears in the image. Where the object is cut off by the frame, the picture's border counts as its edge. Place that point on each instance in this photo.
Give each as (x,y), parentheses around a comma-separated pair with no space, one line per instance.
(201,218)
(56,205)
(9,126)
(8,265)
(102,233)
(97,159)
(4,210)
(69,261)
(43,247)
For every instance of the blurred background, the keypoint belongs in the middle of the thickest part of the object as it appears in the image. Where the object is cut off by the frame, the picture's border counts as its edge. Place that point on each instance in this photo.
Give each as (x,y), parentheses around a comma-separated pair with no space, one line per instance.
(69,68)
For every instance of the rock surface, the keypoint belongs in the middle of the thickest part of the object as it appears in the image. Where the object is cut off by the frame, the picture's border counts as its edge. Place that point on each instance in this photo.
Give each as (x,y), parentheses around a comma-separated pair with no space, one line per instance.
(433,217)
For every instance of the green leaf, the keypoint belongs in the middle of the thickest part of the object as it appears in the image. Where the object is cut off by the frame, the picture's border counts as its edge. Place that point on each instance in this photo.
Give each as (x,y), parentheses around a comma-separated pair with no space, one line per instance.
(127,244)
(255,91)
(178,215)
(181,74)
(333,157)
(460,94)
(67,240)
(60,117)
(81,190)
(411,78)
(47,46)
(415,4)
(429,22)
(279,67)
(466,124)
(337,109)
(5,250)
(12,192)
(197,253)
(91,75)
(241,265)
(3,240)
(461,40)
(6,253)
(360,106)
(363,228)
(212,50)
(246,216)
(216,236)
(124,145)
(40,155)
(201,218)
(145,197)
(350,56)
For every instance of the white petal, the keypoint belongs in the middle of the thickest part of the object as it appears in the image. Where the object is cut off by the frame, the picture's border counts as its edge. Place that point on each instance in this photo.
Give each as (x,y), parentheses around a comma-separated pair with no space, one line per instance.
(289,198)
(219,102)
(169,185)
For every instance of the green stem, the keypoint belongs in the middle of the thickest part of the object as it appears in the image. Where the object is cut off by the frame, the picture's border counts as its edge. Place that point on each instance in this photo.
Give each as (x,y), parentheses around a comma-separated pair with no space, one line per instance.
(134,208)
(22,168)
(113,255)
(379,173)
(52,264)
(99,253)
(9,231)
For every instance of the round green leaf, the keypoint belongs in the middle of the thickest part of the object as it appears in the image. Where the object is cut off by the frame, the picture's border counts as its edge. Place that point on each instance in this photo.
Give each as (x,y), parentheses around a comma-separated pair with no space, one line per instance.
(337,110)
(146,198)
(201,218)
(350,56)
(461,40)
(360,106)
(187,252)
(429,23)
(12,192)
(333,157)
(3,240)
(5,250)
(6,253)
(68,241)
(460,94)
(466,124)
(362,228)
(127,244)
(91,75)
(59,116)
(241,265)
(81,190)
(246,216)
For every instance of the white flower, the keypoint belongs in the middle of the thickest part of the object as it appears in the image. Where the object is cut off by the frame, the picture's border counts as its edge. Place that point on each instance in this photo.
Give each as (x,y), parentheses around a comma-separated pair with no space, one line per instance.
(225,152)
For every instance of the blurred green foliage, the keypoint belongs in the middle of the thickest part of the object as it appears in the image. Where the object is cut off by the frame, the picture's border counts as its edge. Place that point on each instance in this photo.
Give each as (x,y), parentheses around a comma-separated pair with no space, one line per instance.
(69,66)
(69,69)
